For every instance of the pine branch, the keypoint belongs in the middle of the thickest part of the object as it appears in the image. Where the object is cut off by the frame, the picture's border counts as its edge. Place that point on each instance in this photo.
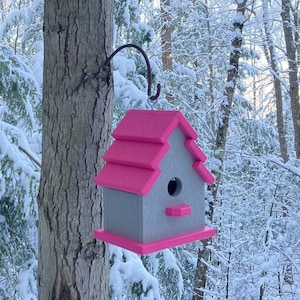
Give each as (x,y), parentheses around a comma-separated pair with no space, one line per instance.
(30,157)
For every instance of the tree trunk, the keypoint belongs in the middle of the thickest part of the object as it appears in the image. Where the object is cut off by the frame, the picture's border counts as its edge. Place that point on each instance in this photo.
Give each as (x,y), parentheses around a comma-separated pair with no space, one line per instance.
(211,71)
(293,71)
(77,115)
(232,75)
(272,59)
(222,130)
(166,40)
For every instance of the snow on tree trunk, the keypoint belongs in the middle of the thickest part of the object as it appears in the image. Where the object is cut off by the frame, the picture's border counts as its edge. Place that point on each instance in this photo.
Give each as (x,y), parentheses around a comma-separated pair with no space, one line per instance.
(77,116)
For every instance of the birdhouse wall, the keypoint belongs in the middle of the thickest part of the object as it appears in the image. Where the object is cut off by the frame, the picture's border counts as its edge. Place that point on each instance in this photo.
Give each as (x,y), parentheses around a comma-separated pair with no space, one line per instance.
(123,213)
(143,218)
(177,163)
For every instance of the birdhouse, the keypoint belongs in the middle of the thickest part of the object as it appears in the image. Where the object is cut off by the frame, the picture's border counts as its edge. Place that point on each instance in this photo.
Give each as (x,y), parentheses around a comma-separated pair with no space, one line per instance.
(153,183)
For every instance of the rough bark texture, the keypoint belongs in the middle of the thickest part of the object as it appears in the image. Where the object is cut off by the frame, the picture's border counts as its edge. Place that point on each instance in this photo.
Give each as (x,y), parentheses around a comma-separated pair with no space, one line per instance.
(77,113)
(221,137)
(272,59)
(293,71)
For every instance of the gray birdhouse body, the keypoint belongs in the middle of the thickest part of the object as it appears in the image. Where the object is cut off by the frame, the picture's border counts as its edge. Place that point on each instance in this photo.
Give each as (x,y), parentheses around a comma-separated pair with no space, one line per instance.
(143,218)
(153,183)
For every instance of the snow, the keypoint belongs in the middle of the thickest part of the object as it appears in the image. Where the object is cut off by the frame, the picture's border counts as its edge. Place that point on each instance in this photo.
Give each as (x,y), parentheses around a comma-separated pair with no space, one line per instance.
(37,66)
(128,269)
(170,263)
(181,69)
(2,219)
(239,18)
(123,65)
(128,94)
(257,207)
(229,84)
(26,286)
(3,145)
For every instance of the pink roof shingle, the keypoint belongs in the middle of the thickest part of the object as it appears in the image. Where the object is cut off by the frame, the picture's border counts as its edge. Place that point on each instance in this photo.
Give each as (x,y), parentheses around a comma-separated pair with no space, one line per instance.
(140,144)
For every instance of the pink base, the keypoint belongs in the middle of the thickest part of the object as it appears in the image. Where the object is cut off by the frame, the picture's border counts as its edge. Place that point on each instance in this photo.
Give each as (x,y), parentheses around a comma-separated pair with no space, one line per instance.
(101,234)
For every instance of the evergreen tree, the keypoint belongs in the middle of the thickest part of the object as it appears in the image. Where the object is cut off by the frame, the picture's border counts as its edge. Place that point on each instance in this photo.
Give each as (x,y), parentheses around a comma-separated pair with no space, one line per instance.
(19,150)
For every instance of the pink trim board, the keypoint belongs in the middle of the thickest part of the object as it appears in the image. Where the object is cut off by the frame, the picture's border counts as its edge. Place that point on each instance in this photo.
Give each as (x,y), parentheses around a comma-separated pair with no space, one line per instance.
(136,154)
(127,178)
(143,249)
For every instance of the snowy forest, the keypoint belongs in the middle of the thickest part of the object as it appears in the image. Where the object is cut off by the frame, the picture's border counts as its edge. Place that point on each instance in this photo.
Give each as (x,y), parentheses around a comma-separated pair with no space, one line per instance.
(232,67)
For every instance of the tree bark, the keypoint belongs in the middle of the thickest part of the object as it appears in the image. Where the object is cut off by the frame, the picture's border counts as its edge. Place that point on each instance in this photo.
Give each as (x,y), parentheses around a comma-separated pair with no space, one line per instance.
(166,35)
(293,71)
(166,40)
(77,115)
(221,137)
(271,57)
(232,75)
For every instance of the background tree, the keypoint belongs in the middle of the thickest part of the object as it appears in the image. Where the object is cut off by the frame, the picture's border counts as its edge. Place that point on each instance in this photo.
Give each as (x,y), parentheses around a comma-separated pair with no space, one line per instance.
(20,98)
(271,55)
(291,45)
(77,116)
(166,40)
(221,134)
(19,175)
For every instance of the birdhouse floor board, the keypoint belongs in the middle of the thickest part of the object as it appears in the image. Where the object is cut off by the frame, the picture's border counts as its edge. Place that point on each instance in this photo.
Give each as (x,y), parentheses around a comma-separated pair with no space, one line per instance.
(143,249)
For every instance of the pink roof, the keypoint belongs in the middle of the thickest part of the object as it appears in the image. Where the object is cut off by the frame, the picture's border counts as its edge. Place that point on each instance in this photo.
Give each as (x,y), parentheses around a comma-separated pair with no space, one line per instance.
(140,144)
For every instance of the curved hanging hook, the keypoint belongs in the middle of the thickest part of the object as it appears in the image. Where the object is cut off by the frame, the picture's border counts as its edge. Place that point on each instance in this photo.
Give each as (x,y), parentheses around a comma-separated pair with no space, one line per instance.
(149,79)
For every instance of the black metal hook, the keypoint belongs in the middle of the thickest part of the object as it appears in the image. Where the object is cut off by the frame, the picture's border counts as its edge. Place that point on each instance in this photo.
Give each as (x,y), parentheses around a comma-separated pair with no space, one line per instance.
(149,79)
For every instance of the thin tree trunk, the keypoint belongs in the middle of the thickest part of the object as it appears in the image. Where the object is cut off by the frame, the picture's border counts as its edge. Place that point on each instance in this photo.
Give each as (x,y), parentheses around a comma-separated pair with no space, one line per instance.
(272,59)
(166,40)
(166,35)
(221,136)
(210,62)
(293,71)
(295,12)
(232,75)
(77,115)
(291,43)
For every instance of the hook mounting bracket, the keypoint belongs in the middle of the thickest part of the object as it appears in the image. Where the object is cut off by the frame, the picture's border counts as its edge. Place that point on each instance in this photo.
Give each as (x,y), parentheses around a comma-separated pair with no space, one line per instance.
(149,79)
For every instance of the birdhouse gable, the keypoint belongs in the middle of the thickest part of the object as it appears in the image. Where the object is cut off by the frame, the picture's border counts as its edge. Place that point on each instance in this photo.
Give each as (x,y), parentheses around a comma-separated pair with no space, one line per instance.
(141,142)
